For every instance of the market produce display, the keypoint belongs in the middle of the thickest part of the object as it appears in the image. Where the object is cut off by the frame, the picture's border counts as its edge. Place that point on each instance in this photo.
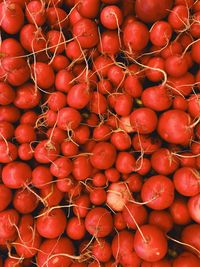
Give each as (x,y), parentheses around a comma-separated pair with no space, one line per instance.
(100,133)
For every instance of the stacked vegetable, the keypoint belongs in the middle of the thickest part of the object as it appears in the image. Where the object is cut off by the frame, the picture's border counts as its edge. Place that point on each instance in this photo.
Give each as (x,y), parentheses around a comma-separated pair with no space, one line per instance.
(100,133)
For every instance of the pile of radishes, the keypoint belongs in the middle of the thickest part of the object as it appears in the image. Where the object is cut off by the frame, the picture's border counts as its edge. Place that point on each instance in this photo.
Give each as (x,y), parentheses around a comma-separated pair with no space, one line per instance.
(100,133)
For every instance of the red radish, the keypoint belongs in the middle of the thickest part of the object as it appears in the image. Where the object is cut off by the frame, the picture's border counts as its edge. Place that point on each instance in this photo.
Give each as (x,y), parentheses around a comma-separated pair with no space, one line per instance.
(74,16)
(75,228)
(39,69)
(59,62)
(102,132)
(99,179)
(51,195)
(194,105)
(164,162)
(179,211)
(122,245)
(8,152)
(41,176)
(27,96)
(119,222)
(135,36)
(88,9)
(12,17)
(151,245)
(54,250)
(73,51)
(68,148)
(109,43)
(134,215)
(25,133)
(172,49)
(78,96)
(57,135)
(160,33)
(97,196)
(186,259)
(6,130)
(103,155)
(28,117)
(112,175)
(61,167)
(35,13)
(28,242)
(162,219)
(190,236)
(121,140)
(63,80)
(56,42)
(9,218)
(146,143)
(46,151)
(25,152)
(32,39)
(123,104)
(150,11)
(102,65)
(125,162)
(11,47)
(99,222)
(56,101)
(116,75)
(180,103)
(9,113)
(181,85)
(143,166)
(134,182)
(174,126)
(117,196)
(178,17)
(12,262)
(186,181)
(155,69)
(82,206)
(16,174)
(158,192)
(56,18)
(111,17)
(143,120)
(14,70)
(85,30)
(193,208)
(102,250)
(68,118)
(24,201)
(161,263)
(82,168)
(132,86)
(7,94)
(176,66)
(81,134)
(157,98)
(195,49)
(51,224)
(5,197)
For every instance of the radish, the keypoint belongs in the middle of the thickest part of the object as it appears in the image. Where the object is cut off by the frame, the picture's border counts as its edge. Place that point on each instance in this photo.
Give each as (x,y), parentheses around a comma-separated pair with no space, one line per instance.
(147,11)
(117,196)
(16,174)
(51,224)
(52,250)
(158,192)
(151,245)
(99,222)
(174,126)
